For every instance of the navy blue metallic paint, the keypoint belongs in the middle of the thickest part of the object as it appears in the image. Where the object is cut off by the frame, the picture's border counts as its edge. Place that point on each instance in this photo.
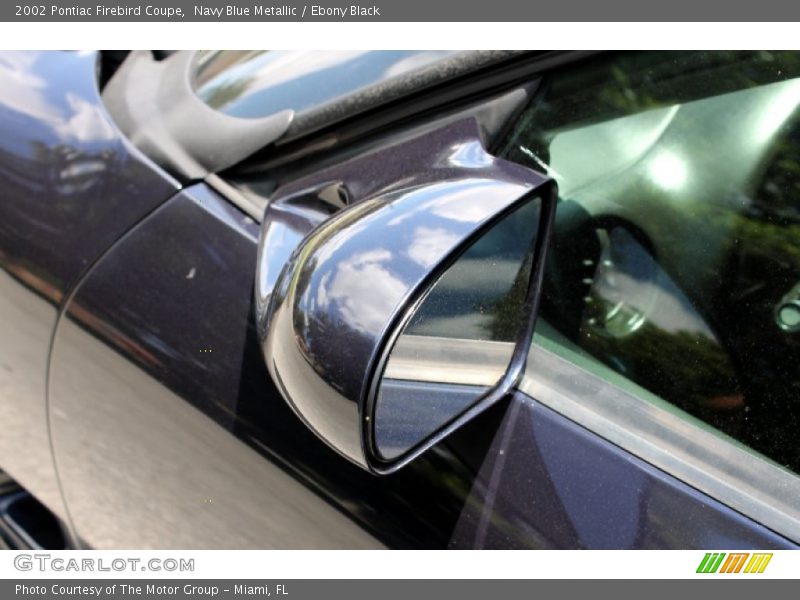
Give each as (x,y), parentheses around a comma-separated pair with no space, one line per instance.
(206,453)
(546,482)
(130,371)
(70,185)
(166,426)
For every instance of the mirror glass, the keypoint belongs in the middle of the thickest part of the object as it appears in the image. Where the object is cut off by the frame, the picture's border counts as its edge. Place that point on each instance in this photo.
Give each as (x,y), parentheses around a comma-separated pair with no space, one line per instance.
(458,343)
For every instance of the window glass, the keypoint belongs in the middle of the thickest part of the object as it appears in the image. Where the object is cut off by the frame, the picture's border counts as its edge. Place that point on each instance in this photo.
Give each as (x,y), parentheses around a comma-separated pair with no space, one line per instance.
(259,83)
(676,259)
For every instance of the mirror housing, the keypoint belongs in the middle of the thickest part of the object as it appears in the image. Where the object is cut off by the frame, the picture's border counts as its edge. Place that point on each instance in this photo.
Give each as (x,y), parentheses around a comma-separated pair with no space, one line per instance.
(346,291)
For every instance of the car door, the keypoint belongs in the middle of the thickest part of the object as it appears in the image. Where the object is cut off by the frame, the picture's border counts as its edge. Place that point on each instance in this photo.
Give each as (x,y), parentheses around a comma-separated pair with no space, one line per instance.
(71,186)
(168,430)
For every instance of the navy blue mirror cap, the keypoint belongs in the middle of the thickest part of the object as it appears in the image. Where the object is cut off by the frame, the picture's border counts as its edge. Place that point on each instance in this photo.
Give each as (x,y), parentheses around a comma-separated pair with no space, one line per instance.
(345,289)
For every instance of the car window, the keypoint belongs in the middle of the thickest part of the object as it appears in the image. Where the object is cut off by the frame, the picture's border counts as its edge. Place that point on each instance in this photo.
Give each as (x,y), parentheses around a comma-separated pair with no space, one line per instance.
(260,83)
(676,256)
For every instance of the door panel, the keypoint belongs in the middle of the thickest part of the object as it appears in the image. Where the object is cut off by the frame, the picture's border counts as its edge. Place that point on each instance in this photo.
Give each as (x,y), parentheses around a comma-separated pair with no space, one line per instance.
(547,482)
(169,433)
(70,185)
(146,380)
(166,424)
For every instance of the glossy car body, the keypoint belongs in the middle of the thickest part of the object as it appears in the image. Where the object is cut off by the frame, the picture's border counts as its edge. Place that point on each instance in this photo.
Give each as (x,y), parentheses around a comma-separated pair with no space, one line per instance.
(136,405)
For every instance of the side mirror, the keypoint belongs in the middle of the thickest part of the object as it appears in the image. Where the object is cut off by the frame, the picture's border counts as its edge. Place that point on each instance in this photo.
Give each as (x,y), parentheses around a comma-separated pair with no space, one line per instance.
(409,311)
